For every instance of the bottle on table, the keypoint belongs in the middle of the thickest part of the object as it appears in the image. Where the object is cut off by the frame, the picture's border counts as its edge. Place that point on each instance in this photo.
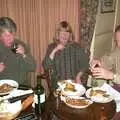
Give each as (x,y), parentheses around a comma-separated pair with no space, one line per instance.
(39,97)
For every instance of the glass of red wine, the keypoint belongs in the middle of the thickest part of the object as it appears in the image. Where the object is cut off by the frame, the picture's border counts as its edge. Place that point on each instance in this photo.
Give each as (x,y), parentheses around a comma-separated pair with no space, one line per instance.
(14,47)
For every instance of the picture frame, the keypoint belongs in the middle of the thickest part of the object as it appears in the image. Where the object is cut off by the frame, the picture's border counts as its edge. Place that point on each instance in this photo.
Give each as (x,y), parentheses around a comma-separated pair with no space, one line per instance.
(107,6)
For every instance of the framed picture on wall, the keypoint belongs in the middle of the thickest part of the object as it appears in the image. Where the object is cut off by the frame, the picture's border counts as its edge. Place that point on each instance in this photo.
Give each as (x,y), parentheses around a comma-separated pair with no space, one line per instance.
(107,6)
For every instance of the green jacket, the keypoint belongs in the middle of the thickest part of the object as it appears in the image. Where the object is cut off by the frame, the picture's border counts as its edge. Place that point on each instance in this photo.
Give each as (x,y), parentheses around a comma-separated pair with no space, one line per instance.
(17,67)
(66,63)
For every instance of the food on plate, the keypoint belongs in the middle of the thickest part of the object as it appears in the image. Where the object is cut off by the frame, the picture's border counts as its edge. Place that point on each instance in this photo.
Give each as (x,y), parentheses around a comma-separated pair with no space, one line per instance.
(97,92)
(69,87)
(98,95)
(77,102)
(5,88)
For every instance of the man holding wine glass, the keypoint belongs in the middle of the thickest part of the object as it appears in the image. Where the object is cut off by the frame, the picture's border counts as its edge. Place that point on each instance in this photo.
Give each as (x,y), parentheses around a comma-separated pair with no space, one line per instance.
(15,57)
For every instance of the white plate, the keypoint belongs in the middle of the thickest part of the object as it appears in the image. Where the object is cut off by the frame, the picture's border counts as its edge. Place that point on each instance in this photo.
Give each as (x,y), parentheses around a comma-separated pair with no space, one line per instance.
(98,98)
(77,106)
(80,89)
(9,82)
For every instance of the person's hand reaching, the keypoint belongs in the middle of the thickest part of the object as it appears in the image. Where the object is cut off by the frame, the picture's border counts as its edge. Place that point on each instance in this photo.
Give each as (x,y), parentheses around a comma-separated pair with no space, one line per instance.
(78,78)
(100,72)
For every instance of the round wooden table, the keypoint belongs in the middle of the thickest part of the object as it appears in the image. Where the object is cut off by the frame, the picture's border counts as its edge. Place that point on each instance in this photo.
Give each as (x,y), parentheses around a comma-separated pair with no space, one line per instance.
(93,112)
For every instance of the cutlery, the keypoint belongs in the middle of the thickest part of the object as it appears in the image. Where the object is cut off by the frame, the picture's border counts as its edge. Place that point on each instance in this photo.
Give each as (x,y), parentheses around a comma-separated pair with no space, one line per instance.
(21,96)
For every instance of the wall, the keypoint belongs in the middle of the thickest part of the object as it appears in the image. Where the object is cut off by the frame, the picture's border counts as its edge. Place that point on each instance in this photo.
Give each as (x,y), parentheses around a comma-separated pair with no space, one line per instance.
(103,35)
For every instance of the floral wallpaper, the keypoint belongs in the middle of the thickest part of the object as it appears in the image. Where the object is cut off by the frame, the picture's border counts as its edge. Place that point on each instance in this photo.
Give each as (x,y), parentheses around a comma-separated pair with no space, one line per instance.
(88,12)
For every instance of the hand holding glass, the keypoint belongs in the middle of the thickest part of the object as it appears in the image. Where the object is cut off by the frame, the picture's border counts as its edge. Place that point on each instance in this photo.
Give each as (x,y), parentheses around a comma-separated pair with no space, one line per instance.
(14,47)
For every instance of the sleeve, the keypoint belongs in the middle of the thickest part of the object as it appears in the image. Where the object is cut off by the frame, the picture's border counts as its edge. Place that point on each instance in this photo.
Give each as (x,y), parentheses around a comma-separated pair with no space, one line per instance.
(47,62)
(116,78)
(83,60)
(3,52)
(28,63)
(108,60)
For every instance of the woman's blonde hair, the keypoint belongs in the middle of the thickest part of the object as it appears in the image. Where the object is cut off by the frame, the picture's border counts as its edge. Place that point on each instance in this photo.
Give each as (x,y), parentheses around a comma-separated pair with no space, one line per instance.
(63,25)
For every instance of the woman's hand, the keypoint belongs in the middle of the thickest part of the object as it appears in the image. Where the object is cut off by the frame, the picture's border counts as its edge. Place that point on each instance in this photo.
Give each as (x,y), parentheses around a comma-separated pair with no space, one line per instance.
(100,72)
(58,48)
(2,67)
(78,78)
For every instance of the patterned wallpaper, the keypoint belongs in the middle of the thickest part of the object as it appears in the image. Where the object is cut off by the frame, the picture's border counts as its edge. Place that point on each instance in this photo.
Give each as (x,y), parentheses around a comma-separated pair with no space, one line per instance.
(88,12)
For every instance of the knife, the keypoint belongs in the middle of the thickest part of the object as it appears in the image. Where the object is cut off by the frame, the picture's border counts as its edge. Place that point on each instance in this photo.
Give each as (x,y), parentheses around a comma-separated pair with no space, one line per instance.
(22,96)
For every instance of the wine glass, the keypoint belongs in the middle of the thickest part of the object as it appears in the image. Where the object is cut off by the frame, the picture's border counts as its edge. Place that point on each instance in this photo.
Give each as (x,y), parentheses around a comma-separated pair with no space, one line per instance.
(14,47)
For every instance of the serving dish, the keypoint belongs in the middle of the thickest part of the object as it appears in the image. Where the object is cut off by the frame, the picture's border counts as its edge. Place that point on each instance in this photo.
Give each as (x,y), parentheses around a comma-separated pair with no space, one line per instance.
(77,102)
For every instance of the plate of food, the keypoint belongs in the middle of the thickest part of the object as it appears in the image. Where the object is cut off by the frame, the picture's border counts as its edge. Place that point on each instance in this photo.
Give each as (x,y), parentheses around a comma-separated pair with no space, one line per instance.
(77,102)
(98,95)
(6,86)
(69,88)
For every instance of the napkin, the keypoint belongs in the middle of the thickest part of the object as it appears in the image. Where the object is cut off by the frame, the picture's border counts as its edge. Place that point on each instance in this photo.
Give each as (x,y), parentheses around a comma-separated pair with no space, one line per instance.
(115,94)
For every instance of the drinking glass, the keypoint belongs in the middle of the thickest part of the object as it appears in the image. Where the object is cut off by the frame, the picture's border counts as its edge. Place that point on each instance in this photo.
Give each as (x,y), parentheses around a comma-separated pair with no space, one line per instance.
(14,47)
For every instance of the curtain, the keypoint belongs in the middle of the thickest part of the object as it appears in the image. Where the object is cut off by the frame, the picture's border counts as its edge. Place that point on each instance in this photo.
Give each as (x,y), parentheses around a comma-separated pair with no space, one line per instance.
(88,12)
